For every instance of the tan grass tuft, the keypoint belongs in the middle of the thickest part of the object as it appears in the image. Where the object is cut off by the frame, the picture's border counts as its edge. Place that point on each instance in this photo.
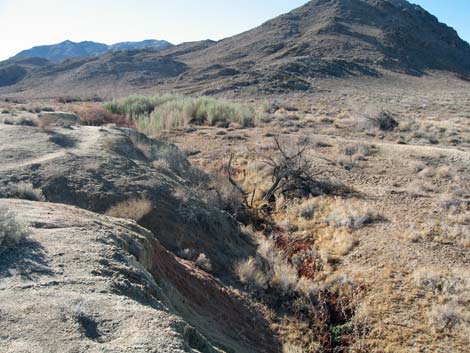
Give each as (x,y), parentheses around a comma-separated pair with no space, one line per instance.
(134,209)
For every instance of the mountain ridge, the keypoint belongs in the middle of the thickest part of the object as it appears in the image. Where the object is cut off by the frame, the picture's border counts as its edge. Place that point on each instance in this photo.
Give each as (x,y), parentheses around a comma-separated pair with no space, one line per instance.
(69,49)
(319,40)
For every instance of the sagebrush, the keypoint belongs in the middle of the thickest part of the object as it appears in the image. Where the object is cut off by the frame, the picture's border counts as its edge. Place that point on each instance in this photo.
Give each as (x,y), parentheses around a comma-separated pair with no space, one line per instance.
(12,231)
(156,113)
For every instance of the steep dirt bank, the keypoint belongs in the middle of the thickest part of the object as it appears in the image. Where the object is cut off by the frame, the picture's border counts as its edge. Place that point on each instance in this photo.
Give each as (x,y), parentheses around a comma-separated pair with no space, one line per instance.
(83,282)
(95,168)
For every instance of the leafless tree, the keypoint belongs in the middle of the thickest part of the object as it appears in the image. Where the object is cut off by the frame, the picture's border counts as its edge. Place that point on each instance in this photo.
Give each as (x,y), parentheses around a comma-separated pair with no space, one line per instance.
(291,173)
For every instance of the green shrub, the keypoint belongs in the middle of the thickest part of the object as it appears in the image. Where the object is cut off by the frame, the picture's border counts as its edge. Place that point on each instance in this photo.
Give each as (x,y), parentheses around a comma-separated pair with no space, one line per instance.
(135,106)
(153,114)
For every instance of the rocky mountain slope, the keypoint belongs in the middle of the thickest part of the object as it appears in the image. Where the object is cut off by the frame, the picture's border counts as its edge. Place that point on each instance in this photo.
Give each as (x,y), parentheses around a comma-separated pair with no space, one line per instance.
(69,49)
(13,71)
(322,39)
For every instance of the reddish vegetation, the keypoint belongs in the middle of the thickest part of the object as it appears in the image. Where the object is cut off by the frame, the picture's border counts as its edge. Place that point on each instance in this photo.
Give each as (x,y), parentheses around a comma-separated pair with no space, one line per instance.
(94,115)
(310,266)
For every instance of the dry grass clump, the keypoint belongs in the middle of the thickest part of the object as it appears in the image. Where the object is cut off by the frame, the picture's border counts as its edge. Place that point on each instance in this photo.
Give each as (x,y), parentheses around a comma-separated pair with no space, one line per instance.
(271,269)
(307,208)
(224,196)
(418,188)
(351,214)
(26,191)
(442,172)
(448,293)
(353,154)
(438,282)
(450,201)
(45,123)
(284,276)
(161,164)
(95,115)
(248,272)
(310,222)
(204,263)
(447,317)
(450,227)
(431,131)
(200,259)
(21,120)
(292,348)
(445,172)
(134,209)
(335,243)
(12,232)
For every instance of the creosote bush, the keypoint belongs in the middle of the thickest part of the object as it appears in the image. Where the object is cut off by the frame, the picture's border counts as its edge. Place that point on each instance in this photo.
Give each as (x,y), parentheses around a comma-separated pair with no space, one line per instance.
(134,209)
(153,114)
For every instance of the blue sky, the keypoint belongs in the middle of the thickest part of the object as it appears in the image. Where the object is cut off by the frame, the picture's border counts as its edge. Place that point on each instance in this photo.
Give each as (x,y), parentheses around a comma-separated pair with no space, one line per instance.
(26,23)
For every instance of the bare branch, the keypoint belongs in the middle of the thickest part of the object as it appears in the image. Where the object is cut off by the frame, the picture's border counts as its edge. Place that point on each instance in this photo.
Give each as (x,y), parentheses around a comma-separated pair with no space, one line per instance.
(278,145)
(232,181)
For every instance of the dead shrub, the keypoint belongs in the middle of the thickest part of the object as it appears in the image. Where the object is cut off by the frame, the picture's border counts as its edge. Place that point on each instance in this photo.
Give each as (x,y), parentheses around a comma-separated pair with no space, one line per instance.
(291,173)
(372,117)
(93,115)
(385,121)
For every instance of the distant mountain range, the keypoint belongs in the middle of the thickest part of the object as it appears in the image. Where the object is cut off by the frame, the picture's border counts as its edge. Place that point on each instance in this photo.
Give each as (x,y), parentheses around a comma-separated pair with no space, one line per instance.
(322,39)
(69,49)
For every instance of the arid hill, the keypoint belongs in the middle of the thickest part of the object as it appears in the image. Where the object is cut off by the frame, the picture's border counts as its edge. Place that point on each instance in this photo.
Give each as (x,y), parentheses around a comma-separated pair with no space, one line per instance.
(83,265)
(322,39)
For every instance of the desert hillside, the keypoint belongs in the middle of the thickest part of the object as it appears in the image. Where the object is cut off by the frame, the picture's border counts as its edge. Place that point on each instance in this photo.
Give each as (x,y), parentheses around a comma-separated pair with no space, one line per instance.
(303,187)
(290,53)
